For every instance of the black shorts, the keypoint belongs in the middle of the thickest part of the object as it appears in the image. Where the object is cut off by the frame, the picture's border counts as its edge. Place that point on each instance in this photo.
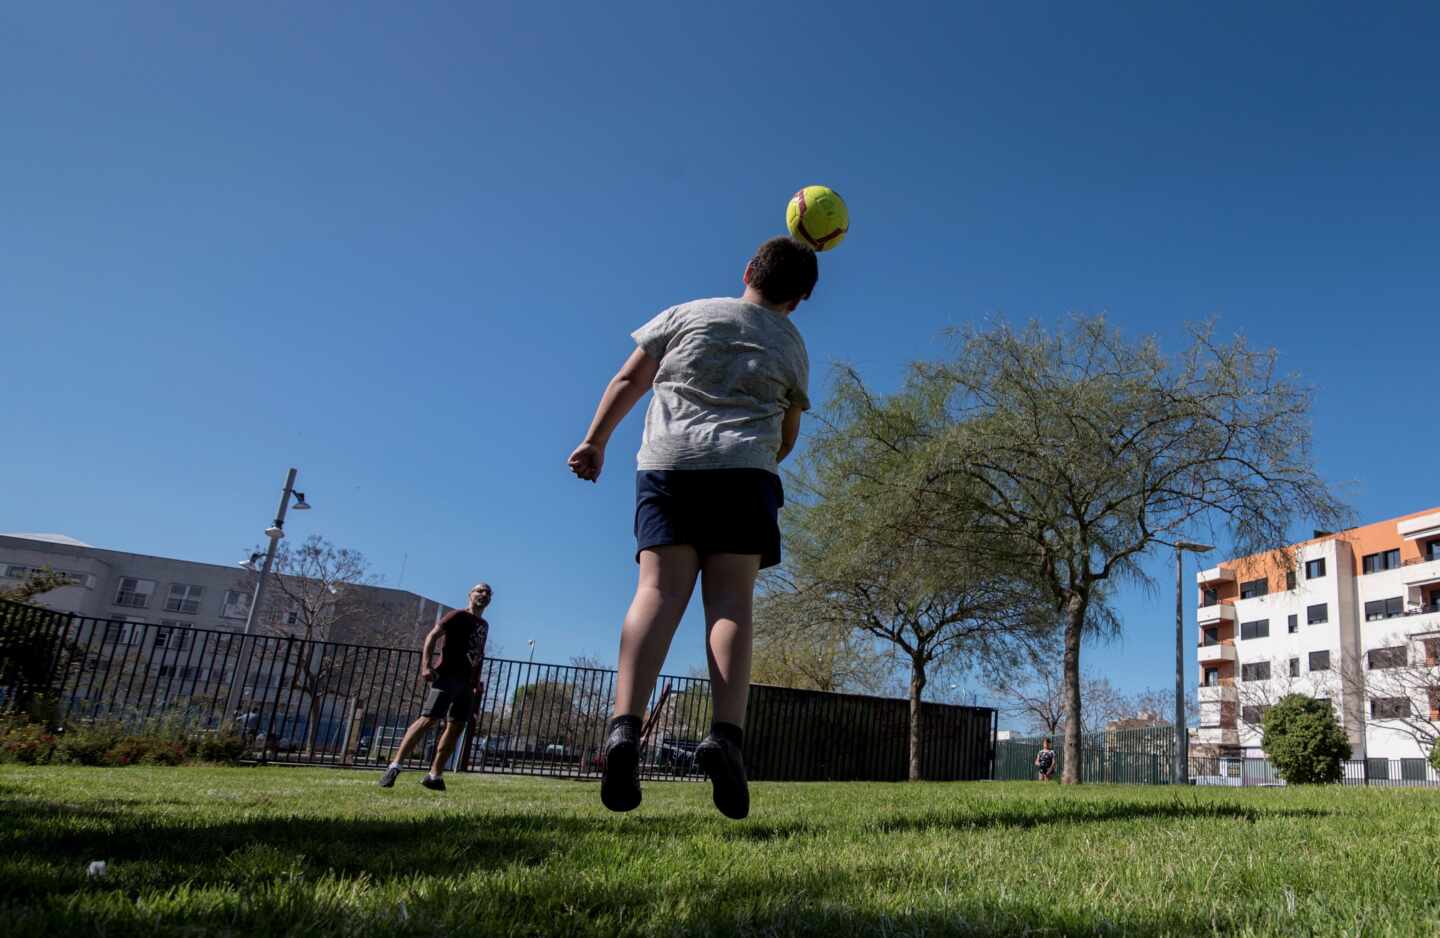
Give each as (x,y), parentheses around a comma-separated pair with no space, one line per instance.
(449,698)
(716,511)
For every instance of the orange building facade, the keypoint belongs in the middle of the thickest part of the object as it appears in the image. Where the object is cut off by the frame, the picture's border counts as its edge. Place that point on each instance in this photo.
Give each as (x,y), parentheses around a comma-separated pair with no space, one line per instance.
(1352,618)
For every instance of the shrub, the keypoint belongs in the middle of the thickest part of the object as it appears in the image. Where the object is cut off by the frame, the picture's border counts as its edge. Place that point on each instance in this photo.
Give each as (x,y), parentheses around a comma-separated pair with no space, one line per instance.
(224,746)
(27,743)
(86,745)
(1304,741)
(129,750)
(1435,754)
(166,752)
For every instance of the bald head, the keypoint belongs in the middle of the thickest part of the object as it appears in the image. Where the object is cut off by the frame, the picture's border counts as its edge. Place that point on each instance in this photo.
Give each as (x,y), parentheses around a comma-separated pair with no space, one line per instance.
(480,595)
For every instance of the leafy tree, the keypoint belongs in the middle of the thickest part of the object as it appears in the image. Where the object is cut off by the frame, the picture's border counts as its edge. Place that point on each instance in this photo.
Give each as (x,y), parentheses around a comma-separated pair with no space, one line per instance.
(1073,455)
(863,570)
(33,651)
(36,584)
(1304,740)
(793,650)
(1435,755)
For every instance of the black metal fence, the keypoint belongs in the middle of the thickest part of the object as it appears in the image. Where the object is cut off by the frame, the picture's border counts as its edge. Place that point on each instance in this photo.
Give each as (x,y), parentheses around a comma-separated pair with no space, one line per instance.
(1135,755)
(334,703)
(1379,773)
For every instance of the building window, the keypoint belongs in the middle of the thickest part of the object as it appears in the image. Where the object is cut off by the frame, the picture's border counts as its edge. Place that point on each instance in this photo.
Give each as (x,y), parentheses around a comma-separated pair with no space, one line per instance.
(1253,715)
(1390,708)
(184,598)
(1252,588)
(1432,652)
(1212,677)
(1260,628)
(1378,609)
(237,605)
(1292,624)
(1210,596)
(174,636)
(1314,569)
(1211,637)
(1320,660)
(1316,614)
(1378,563)
(1431,551)
(16,571)
(1255,671)
(1290,579)
(134,593)
(1434,703)
(1294,667)
(122,631)
(1382,658)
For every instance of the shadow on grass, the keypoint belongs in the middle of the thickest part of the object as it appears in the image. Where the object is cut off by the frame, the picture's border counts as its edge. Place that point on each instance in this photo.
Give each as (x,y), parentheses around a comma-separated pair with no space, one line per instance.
(565,874)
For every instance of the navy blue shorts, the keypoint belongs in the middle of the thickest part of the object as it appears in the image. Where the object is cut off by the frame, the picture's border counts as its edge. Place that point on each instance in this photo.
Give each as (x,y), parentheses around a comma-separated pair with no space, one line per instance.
(716,511)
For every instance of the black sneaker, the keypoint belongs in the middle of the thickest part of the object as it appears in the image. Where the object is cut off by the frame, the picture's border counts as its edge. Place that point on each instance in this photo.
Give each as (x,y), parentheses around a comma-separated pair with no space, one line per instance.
(721,760)
(434,784)
(388,779)
(620,783)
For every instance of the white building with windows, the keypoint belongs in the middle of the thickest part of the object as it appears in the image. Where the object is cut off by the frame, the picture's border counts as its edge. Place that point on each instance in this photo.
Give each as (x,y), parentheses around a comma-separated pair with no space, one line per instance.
(162,591)
(1352,618)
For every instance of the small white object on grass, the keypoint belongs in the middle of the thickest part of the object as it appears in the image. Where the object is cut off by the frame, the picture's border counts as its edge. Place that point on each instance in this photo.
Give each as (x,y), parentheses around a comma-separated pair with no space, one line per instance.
(96,869)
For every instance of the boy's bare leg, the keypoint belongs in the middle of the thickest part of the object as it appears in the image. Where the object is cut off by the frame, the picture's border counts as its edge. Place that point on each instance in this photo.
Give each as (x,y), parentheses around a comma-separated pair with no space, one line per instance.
(448,739)
(728,589)
(667,578)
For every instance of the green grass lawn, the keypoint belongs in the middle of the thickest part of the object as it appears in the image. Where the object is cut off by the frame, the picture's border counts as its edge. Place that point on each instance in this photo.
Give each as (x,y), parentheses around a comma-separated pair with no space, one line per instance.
(323,851)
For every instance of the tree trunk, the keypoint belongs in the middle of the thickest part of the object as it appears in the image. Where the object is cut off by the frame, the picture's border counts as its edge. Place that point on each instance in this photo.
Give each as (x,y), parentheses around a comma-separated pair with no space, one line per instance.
(1075,608)
(917,685)
(313,728)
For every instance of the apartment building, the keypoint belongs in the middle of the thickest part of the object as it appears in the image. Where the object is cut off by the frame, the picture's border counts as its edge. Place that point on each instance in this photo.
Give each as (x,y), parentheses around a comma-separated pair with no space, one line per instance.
(143,589)
(1352,618)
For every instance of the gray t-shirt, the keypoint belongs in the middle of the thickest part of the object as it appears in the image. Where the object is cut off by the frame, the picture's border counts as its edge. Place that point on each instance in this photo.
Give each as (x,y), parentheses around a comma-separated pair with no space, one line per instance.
(728,372)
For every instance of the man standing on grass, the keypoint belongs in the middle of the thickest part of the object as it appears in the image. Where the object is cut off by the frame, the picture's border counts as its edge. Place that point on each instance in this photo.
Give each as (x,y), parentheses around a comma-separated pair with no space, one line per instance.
(454,685)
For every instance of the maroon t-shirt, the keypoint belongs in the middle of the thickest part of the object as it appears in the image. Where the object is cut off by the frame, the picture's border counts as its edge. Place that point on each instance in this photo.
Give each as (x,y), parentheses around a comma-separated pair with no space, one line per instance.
(464,645)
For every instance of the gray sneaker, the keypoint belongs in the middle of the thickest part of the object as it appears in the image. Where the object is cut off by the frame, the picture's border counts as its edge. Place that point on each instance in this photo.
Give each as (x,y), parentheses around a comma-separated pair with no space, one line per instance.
(434,784)
(388,779)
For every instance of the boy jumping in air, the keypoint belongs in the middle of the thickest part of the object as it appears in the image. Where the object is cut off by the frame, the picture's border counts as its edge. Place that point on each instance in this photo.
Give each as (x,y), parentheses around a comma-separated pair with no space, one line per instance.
(731,378)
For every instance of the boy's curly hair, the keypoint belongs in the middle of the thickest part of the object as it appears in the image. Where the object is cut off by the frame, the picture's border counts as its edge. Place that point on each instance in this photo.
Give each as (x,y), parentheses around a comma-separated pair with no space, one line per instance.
(784,270)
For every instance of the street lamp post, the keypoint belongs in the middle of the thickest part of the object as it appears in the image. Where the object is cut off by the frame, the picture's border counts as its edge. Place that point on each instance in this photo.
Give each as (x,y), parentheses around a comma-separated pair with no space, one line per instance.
(275,532)
(1182,742)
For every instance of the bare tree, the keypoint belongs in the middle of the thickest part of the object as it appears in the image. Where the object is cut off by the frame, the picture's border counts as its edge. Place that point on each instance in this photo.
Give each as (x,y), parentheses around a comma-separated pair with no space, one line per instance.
(1399,692)
(317,593)
(1076,453)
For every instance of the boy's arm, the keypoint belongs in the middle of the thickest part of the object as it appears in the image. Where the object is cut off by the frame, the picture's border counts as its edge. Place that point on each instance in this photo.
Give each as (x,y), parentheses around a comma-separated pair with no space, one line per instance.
(629,385)
(789,431)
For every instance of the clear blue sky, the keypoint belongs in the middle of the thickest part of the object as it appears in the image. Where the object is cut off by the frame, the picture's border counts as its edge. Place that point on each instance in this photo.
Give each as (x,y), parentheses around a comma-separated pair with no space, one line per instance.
(402,249)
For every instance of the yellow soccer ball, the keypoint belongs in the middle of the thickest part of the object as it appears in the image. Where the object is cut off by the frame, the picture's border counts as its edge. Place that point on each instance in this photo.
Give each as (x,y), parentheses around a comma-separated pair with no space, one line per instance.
(818,216)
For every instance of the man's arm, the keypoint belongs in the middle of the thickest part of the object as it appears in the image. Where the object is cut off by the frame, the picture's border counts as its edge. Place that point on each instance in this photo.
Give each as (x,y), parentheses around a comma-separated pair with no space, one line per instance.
(630,383)
(789,431)
(427,652)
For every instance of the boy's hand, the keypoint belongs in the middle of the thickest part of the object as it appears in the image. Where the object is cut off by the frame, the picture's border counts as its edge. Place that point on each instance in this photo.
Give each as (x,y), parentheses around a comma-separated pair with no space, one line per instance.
(587,461)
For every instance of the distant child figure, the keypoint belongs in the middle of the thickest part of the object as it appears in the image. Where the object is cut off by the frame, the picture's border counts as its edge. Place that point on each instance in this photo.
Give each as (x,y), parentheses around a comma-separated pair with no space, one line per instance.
(1045,761)
(731,378)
